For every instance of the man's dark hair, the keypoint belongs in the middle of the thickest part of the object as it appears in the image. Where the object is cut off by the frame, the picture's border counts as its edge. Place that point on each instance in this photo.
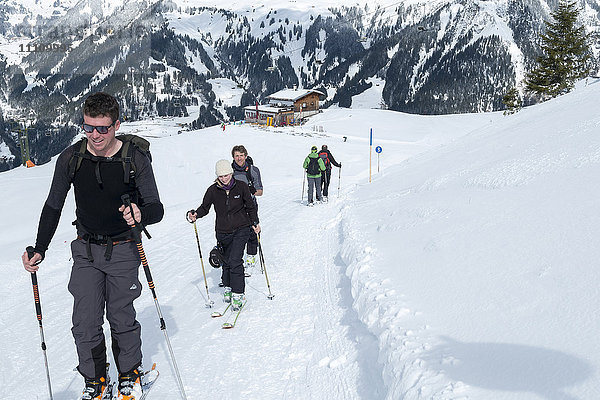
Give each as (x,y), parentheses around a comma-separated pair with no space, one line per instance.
(239,148)
(101,104)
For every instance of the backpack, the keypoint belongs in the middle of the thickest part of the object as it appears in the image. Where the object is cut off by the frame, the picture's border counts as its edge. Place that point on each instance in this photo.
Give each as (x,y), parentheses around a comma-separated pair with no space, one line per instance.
(313,166)
(325,158)
(130,144)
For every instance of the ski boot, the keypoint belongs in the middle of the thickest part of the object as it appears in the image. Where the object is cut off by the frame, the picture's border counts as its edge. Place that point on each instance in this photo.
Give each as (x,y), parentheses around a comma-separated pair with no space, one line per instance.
(130,385)
(227,295)
(236,301)
(95,389)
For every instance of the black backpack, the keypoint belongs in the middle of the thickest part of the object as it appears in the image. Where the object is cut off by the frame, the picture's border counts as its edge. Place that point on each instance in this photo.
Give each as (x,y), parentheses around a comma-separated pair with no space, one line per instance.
(130,144)
(313,166)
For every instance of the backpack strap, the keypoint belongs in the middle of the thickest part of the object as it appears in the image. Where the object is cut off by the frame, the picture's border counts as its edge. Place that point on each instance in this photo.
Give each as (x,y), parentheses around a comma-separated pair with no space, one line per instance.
(128,165)
(77,157)
(249,175)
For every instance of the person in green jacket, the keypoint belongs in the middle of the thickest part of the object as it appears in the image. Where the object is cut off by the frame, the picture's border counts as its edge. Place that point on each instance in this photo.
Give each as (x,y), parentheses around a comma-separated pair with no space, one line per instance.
(314,165)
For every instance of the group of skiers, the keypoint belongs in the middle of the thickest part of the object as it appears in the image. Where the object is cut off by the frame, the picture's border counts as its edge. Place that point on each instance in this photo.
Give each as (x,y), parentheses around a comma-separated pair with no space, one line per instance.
(116,196)
(318,167)
(233,195)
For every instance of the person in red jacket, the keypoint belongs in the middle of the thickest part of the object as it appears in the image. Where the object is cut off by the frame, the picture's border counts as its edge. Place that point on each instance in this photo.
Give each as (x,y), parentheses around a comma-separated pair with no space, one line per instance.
(236,219)
(328,159)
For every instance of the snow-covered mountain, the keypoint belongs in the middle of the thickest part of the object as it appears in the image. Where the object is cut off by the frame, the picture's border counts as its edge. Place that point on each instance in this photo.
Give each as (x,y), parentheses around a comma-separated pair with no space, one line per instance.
(160,57)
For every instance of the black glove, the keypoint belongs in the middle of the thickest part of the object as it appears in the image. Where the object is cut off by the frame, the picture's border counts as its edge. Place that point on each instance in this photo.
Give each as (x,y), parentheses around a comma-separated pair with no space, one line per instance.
(252,189)
(340,165)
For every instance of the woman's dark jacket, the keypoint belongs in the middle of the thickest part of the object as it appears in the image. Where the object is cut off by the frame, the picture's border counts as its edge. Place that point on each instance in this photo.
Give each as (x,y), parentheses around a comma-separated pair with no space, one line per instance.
(234,210)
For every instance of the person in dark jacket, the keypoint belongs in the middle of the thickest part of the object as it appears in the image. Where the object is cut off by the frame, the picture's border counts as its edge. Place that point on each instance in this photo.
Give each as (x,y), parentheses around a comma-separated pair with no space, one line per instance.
(236,219)
(245,171)
(105,267)
(314,167)
(328,159)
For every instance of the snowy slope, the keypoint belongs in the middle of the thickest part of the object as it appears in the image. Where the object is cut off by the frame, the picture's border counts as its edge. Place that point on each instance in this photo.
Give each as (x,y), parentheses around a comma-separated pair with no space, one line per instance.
(465,269)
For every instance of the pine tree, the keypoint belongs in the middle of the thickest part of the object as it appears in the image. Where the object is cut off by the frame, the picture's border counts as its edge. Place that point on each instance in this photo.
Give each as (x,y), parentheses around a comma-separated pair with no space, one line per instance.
(512,101)
(566,53)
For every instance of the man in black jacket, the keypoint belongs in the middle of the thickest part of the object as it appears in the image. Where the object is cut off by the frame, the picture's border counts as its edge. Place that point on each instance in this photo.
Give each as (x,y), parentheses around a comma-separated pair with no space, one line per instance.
(236,219)
(328,159)
(105,257)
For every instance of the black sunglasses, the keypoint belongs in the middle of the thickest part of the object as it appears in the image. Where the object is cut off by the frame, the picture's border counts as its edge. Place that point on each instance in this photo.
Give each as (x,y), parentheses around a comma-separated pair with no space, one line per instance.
(101,129)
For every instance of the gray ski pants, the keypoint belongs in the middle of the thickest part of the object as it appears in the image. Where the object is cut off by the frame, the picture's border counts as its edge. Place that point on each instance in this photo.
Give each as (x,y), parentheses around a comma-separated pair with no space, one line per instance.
(114,284)
(314,183)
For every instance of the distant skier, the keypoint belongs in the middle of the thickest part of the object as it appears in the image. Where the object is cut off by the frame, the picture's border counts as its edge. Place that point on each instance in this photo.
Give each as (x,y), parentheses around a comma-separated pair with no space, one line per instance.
(236,219)
(314,166)
(105,258)
(328,160)
(245,171)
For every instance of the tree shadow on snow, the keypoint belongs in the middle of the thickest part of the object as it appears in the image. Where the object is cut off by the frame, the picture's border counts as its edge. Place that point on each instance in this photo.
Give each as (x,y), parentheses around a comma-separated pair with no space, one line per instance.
(509,367)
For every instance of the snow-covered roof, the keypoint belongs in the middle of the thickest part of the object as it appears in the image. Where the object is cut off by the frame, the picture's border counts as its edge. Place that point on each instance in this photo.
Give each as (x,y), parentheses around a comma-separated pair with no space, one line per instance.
(269,109)
(293,94)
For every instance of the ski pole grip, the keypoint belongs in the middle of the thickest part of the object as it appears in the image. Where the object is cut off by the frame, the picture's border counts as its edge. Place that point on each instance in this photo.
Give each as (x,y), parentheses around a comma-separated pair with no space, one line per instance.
(136,232)
(186,215)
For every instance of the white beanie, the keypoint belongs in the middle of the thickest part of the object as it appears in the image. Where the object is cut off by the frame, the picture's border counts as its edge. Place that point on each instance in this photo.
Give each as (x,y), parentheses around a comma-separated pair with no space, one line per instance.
(223,167)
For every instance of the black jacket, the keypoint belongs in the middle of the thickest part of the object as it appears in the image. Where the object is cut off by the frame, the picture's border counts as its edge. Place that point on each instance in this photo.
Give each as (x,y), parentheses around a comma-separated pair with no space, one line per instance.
(234,210)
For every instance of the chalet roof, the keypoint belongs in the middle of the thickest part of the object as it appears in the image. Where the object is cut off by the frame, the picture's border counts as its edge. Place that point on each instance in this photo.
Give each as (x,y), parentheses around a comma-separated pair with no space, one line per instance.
(293,94)
(267,109)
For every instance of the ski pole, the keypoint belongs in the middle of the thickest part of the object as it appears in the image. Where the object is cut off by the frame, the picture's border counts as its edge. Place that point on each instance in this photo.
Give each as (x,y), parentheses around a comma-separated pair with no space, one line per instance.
(137,235)
(339,179)
(38,311)
(303,181)
(210,303)
(262,263)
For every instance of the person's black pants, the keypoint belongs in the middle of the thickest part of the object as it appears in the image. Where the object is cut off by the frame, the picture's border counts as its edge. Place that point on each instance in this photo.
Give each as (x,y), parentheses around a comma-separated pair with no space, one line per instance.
(325,182)
(233,251)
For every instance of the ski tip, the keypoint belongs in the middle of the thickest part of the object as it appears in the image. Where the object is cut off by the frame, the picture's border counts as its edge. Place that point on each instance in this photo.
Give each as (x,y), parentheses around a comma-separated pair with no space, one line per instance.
(227,325)
(216,314)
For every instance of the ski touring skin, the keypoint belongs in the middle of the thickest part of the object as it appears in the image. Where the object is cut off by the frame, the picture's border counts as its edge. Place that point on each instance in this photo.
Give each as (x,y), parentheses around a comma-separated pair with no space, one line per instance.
(231,325)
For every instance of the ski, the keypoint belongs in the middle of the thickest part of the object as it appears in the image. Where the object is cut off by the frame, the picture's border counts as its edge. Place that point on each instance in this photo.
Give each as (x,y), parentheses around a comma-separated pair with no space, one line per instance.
(227,324)
(217,314)
(148,379)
